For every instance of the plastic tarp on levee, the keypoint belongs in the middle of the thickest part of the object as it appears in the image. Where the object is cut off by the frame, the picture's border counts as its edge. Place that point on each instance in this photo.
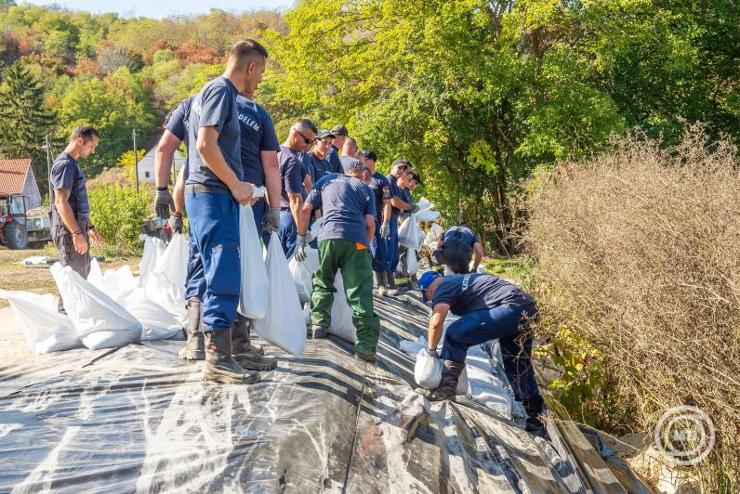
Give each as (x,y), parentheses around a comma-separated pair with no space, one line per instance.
(137,419)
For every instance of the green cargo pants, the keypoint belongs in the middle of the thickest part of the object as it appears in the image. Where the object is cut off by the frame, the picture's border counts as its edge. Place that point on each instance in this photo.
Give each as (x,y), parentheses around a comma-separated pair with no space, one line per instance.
(357,274)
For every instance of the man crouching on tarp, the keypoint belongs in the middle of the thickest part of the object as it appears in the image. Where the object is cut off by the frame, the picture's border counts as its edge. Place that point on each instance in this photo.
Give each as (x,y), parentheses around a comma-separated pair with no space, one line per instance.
(489,308)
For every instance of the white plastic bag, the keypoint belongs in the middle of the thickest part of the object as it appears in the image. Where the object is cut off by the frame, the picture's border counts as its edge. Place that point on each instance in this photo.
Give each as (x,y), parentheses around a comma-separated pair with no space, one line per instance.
(45,329)
(99,320)
(284,325)
(302,272)
(412,263)
(426,210)
(409,234)
(341,314)
(166,284)
(153,249)
(428,373)
(156,322)
(253,297)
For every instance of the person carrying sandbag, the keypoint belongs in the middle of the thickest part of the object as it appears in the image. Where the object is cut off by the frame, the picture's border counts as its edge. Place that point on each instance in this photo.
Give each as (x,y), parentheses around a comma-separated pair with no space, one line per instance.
(489,308)
(344,240)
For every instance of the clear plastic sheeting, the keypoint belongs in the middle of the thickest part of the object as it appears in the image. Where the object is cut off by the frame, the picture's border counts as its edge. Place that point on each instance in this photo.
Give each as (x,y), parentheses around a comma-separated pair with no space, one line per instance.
(138,419)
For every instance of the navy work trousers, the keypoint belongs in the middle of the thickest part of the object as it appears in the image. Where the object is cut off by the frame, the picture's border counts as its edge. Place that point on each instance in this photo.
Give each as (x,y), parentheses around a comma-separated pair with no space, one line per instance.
(510,324)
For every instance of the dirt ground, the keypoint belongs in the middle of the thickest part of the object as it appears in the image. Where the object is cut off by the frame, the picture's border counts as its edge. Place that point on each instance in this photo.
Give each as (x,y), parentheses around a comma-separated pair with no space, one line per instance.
(15,276)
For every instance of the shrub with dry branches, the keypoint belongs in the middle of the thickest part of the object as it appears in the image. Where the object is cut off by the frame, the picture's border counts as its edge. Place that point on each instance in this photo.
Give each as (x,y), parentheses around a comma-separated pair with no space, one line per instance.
(638,251)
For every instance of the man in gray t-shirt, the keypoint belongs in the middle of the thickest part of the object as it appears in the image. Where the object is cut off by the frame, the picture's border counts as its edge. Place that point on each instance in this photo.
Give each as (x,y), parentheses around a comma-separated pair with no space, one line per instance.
(348,226)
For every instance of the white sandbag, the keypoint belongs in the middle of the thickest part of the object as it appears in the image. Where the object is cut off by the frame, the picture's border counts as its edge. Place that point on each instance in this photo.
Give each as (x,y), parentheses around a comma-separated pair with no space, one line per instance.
(302,272)
(427,370)
(153,249)
(284,324)
(92,311)
(412,263)
(45,329)
(166,284)
(95,276)
(117,283)
(434,236)
(253,297)
(409,233)
(341,314)
(426,210)
(156,322)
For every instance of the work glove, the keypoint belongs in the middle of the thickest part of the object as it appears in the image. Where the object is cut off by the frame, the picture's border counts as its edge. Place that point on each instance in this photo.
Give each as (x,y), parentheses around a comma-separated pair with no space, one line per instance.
(163,202)
(175,222)
(300,248)
(415,209)
(272,220)
(432,353)
(385,229)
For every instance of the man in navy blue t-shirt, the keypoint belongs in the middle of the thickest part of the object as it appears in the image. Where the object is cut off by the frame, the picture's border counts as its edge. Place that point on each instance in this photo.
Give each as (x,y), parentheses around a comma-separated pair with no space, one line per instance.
(318,157)
(291,157)
(71,228)
(489,308)
(456,248)
(382,193)
(214,189)
(347,227)
(399,180)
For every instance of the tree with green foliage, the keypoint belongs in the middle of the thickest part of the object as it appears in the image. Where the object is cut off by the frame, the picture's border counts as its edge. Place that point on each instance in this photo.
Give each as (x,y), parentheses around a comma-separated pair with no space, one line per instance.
(24,119)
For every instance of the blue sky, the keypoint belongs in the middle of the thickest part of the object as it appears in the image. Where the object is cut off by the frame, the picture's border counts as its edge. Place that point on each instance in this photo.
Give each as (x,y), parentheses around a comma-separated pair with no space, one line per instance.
(164,8)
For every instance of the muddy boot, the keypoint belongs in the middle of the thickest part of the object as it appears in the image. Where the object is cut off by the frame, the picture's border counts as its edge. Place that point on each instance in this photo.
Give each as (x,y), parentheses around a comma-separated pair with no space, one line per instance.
(448,384)
(244,353)
(391,282)
(367,356)
(195,345)
(380,283)
(220,366)
(534,424)
(316,331)
(255,347)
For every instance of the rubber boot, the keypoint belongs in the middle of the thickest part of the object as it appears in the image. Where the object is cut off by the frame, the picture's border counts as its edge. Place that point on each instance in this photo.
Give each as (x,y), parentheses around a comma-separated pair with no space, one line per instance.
(255,347)
(220,366)
(316,331)
(534,424)
(380,282)
(391,282)
(195,345)
(448,384)
(368,357)
(244,353)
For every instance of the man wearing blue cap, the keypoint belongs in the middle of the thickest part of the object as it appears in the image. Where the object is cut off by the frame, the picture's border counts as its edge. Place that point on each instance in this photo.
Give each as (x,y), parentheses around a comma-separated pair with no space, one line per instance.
(489,308)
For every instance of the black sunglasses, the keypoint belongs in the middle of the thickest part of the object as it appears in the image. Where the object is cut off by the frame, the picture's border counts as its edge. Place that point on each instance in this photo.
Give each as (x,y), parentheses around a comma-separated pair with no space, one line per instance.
(305,139)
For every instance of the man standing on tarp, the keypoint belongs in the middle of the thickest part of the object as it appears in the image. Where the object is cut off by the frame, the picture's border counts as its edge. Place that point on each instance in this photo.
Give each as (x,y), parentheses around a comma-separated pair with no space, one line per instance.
(456,249)
(381,190)
(70,213)
(213,191)
(489,308)
(348,226)
(293,173)
(403,252)
(399,179)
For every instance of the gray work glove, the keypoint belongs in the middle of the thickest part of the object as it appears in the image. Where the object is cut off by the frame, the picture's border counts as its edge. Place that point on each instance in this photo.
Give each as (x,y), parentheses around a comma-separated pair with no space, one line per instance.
(300,248)
(431,353)
(175,222)
(272,220)
(415,209)
(163,202)
(385,229)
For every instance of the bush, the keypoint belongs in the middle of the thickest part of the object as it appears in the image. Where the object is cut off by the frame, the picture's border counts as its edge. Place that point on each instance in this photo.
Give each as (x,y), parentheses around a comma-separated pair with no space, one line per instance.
(638,253)
(117,213)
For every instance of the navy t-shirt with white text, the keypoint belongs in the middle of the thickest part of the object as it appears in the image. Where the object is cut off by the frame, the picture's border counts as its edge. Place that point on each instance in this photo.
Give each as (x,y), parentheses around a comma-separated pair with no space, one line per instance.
(344,201)
(214,106)
(466,293)
(257,134)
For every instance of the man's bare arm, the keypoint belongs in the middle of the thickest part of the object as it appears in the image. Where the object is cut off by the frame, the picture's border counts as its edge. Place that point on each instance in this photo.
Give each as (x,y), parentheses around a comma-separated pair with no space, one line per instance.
(296,202)
(166,148)
(179,191)
(399,203)
(303,217)
(271,168)
(436,322)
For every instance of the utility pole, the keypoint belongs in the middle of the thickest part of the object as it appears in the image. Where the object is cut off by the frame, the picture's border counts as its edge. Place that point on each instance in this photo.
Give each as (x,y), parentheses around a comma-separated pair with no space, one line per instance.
(136,163)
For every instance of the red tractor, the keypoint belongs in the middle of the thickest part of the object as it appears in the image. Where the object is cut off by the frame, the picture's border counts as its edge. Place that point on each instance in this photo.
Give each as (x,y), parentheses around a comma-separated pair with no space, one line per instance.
(13,221)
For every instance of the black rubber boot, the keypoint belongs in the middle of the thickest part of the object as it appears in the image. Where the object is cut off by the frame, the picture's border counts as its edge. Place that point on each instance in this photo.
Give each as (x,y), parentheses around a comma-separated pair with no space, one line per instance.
(534,424)
(448,384)
(391,281)
(380,282)
(195,345)
(316,331)
(220,366)
(246,354)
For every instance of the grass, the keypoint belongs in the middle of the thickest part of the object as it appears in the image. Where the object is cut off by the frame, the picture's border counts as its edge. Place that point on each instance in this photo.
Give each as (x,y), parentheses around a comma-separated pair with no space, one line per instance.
(517,269)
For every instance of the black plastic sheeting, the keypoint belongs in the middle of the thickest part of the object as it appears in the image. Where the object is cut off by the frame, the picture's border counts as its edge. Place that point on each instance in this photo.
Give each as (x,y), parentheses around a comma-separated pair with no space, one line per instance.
(137,419)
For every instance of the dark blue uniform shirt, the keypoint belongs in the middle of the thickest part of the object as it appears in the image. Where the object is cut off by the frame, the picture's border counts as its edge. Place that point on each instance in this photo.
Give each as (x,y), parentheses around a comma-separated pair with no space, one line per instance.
(466,293)
(462,234)
(257,134)
(177,123)
(382,191)
(67,174)
(395,192)
(292,173)
(345,201)
(214,106)
(335,165)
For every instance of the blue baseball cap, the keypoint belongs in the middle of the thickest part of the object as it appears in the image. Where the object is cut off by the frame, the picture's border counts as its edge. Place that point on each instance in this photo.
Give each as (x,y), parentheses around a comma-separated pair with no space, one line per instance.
(426,280)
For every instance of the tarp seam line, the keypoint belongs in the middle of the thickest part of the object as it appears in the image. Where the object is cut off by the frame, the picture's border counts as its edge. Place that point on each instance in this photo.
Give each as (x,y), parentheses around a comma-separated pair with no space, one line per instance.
(354,436)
